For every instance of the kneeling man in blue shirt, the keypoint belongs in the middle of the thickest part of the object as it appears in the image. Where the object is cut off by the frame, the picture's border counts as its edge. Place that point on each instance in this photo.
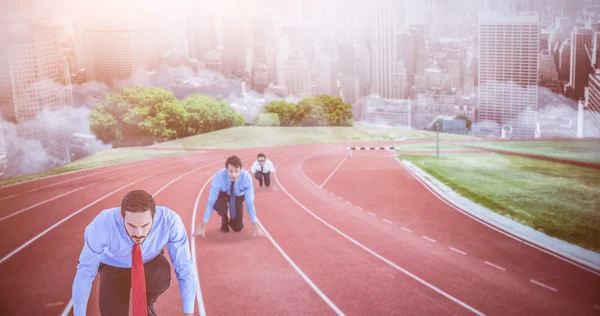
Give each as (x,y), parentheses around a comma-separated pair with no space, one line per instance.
(230,187)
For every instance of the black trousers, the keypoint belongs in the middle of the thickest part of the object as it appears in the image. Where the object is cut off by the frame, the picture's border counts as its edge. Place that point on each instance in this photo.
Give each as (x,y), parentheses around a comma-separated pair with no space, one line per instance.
(222,208)
(266,177)
(115,285)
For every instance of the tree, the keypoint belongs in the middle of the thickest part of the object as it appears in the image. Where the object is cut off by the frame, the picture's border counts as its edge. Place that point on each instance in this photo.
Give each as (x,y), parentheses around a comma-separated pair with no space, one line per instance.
(286,112)
(465,118)
(206,114)
(267,119)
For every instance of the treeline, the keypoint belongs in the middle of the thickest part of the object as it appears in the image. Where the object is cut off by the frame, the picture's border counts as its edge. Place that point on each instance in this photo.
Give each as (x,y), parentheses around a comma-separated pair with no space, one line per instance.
(143,115)
(146,113)
(322,110)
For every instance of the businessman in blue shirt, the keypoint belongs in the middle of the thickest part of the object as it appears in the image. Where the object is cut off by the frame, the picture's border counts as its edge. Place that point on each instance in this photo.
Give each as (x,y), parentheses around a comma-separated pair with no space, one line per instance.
(107,250)
(230,187)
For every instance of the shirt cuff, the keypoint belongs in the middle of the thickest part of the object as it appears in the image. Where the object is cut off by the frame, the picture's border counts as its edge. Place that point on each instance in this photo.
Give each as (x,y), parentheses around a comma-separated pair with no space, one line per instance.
(79,309)
(188,306)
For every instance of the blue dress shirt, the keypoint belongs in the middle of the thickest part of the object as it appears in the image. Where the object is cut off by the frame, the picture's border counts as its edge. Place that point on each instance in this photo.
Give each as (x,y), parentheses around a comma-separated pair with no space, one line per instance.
(107,241)
(221,182)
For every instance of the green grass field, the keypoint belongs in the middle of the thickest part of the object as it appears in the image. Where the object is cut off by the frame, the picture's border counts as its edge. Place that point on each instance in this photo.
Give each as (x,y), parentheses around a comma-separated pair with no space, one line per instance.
(429,147)
(588,151)
(255,136)
(560,200)
(103,158)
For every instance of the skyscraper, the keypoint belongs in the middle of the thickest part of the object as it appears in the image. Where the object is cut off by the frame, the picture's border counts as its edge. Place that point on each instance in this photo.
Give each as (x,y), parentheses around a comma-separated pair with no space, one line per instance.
(508,73)
(116,55)
(297,74)
(34,77)
(384,52)
(581,66)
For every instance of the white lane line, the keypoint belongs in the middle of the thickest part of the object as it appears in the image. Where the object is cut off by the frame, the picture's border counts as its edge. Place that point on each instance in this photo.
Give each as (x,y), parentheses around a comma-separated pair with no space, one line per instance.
(432,240)
(543,285)
(128,163)
(334,170)
(79,189)
(339,197)
(358,207)
(456,250)
(385,220)
(406,229)
(495,266)
(73,179)
(332,193)
(301,273)
(53,304)
(44,202)
(199,299)
(348,202)
(302,171)
(372,214)
(67,309)
(450,297)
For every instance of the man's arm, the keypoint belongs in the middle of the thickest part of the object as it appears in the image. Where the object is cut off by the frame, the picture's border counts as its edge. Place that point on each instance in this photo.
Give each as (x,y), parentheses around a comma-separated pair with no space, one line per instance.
(179,251)
(254,167)
(249,198)
(212,199)
(87,269)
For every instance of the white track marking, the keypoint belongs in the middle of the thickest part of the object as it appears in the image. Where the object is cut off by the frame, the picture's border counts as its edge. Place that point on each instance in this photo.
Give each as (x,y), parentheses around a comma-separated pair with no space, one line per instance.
(495,266)
(406,229)
(358,207)
(69,180)
(348,202)
(372,214)
(334,170)
(427,238)
(385,220)
(456,250)
(376,254)
(73,191)
(301,273)
(543,285)
(117,164)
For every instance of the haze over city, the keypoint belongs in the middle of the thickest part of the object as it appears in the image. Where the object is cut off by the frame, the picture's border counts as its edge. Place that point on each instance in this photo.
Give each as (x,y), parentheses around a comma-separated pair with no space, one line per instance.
(516,69)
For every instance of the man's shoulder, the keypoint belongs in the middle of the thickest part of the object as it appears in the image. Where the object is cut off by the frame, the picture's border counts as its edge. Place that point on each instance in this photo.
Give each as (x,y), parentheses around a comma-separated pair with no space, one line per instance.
(164,213)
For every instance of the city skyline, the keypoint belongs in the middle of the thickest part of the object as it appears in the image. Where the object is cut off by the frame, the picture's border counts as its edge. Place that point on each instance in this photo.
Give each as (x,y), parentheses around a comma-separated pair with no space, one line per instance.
(442,58)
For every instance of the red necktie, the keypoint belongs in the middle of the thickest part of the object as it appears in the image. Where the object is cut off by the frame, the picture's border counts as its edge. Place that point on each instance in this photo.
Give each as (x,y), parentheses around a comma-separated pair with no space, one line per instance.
(138,283)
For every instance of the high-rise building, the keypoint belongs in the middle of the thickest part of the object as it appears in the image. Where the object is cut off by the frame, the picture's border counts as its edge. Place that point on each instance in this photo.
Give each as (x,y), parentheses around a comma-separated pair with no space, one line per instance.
(116,55)
(508,74)
(3,156)
(581,66)
(201,32)
(35,78)
(591,111)
(384,52)
(297,74)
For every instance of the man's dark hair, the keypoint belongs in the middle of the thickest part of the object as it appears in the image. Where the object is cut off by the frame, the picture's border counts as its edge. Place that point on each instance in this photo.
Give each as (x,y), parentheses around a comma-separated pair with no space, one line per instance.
(261,155)
(138,201)
(234,161)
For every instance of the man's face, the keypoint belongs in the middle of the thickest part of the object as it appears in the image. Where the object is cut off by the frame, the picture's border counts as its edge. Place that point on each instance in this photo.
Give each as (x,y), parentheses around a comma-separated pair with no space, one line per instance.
(233,172)
(138,225)
(261,161)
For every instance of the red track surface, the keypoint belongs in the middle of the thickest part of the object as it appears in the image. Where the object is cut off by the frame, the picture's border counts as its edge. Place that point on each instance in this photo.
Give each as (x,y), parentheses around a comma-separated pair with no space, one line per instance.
(362,244)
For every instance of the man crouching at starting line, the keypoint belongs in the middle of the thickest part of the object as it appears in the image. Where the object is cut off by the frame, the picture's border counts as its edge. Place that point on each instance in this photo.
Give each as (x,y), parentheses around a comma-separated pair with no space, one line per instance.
(229,188)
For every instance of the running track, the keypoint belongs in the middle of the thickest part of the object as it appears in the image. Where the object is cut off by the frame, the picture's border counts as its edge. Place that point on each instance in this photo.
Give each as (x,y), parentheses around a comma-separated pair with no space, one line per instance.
(352,236)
